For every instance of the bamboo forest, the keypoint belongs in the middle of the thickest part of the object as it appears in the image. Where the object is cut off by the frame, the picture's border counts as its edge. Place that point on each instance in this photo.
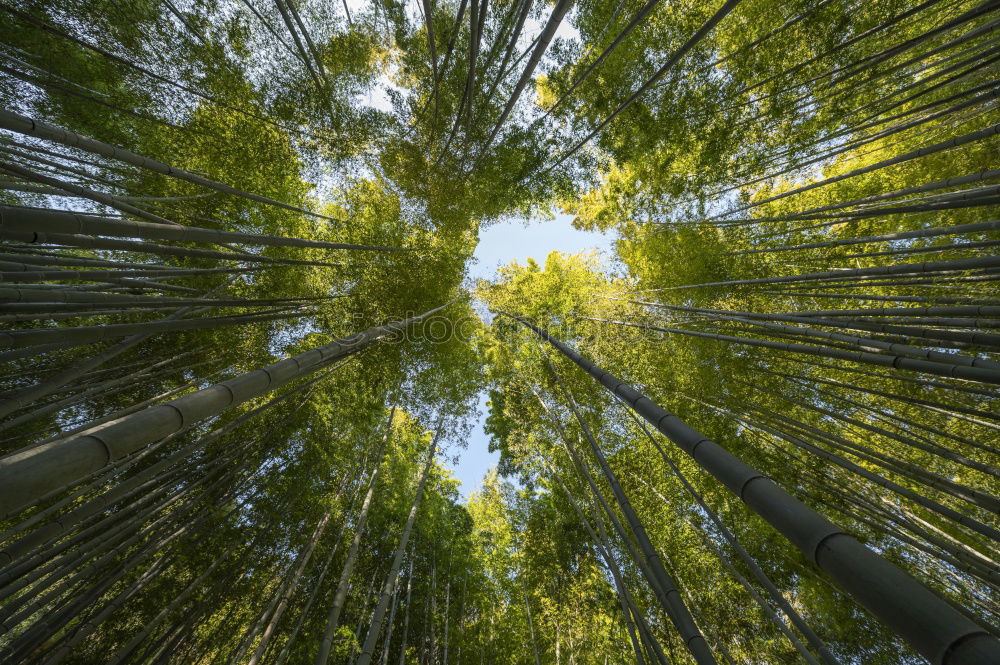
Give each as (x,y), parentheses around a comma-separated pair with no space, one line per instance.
(248,333)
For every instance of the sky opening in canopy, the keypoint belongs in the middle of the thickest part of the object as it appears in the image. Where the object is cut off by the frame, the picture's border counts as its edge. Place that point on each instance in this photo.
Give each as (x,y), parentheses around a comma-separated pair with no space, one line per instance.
(516,240)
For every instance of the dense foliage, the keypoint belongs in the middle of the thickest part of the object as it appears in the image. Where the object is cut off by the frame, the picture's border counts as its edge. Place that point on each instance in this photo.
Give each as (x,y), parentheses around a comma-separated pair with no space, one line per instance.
(241,344)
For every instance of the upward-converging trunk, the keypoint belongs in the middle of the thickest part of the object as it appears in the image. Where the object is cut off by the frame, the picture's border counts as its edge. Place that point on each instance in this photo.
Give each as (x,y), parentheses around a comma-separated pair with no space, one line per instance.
(599,506)
(674,58)
(636,20)
(84,192)
(531,625)
(520,12)
(973,338)
(34,127)
(765,608)
(31,225)
(603,547)
(447,615)
(776,595)
(431,625)
(981,374)
(368,649)
(548,32)
(930,504)
(66,376)
(134,483)
(670,598)
(333,619)
(432,49)
(289,590)
(93,242)
(77,336)
(139,637)
(392,618)
(928,623)
(947,144)
(406,615)
(902,269)
(27,475)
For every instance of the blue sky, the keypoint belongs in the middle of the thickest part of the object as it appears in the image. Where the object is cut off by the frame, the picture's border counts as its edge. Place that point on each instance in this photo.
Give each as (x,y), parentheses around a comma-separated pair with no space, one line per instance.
(499,245)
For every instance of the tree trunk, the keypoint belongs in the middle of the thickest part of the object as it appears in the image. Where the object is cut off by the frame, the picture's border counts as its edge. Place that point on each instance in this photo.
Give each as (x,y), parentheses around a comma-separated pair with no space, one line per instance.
(333,618)
(376,624)
(31,224)
(406,616)
(27,475)
(929,624)
(289,590)
(34,127)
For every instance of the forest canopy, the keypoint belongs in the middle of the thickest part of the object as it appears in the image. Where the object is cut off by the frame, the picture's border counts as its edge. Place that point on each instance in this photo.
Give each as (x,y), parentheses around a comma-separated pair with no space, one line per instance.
(242,343)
